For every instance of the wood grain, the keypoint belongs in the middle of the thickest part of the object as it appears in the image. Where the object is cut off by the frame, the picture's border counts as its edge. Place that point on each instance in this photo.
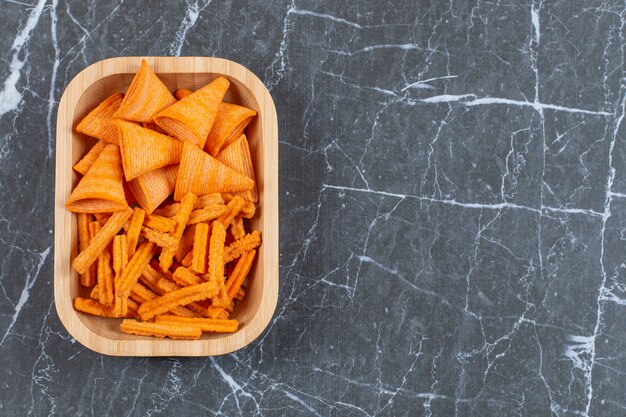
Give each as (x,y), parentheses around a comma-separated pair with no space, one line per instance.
(85,91)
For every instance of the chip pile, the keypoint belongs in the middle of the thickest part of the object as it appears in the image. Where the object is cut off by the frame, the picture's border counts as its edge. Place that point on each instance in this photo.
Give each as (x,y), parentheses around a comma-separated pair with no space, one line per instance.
(162,206)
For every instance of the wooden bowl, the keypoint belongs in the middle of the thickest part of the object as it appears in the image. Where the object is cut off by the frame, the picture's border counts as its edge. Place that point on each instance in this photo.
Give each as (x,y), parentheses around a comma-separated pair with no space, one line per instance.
(85,91)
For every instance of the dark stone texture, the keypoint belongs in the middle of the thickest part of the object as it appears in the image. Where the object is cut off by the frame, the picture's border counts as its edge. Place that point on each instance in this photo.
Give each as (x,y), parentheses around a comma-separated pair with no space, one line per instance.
(452,196)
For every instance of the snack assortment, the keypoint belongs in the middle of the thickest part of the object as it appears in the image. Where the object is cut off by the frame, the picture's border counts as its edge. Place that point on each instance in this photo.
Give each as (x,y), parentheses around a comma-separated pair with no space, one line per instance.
(162,208)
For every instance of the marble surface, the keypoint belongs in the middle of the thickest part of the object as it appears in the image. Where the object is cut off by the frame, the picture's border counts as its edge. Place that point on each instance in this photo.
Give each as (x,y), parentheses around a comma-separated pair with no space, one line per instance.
(453,208)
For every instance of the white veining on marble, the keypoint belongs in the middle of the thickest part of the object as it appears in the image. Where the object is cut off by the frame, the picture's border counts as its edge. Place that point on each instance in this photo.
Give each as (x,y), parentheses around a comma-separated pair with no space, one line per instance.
(191,16)
(10,97)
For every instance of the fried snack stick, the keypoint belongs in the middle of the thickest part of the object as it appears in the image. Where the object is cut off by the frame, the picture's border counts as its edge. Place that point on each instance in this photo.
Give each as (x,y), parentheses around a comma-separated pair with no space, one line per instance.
(236,279)
(132,306)
(173,331)
(93,307)
(216,262)
(240,294)
(199,259)
(160,223)
(185,278)
(135,267)
(187,259)
(141,294)
(120,261)
(179,297)
(233,208)
(186,243)
(84,164)
(241,246)
(100,241)
(181,218)
(161,284)
(210,212)
(202,201)
(88,279)
(105,277)
(236,228)
(161,239)
(247,211)
(234,282)
(134,229)
(164,286)
(206,325)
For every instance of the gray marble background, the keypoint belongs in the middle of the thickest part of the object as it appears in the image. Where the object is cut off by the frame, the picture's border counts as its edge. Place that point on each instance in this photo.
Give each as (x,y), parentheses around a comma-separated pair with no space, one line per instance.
(453,208)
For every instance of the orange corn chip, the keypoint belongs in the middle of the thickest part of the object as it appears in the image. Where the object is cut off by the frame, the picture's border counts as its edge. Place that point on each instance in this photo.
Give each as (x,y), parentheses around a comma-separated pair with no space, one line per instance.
(206,325)
(181,93)
(181,218)
(191,118)
(173,331)
(145,97)
(240,294)
(200,173)
(84,164)
(207,213)
(90,306)
(236,228)
(105,277)
(101,189)
(184,277)
(229,124)
(160,223)
(130,197)
(216,261)
(163,240)
(175,298)
(87,279)
(144,150)
(102,216)
(199,260)
(153,126)
(186,243)
(135,267)
(232,209)
(237,156)
(97,123)
(101,240)
(241,246)
(134,229)
(152,188)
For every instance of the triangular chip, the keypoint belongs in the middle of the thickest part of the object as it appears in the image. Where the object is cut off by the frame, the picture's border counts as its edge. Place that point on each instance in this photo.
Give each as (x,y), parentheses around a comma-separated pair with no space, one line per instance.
(146,96)
(237,156)
(145,150)
(97,122)
(153,126)
(101,190)
(84,164)
(152,188)
(191,118)
(230,122)
(201,174)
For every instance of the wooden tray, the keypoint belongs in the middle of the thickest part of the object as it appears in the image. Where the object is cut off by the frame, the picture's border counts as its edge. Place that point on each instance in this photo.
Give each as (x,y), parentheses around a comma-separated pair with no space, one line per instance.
(85,91)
